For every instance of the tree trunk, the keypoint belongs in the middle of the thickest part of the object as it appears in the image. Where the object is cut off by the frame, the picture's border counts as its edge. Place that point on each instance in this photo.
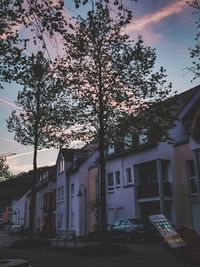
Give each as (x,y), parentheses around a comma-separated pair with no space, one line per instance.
(33,194)
(103,215)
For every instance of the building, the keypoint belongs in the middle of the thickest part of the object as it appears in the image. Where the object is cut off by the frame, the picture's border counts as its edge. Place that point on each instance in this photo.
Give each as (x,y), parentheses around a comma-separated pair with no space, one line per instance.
(73,195)
(46,200)
(147,177)
(143,177)
(19,210)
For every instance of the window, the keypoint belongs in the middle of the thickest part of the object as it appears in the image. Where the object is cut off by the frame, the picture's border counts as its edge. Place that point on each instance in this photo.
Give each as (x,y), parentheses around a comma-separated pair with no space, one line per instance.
(45,175)
(192,180)
(72,190)
(75,162)
(61,165)
(58,193)
(62,192)
(128,176)
(117,178)
(41,178)
(128,141)
(110,182)
(143,137)
(111,149)
(60,220)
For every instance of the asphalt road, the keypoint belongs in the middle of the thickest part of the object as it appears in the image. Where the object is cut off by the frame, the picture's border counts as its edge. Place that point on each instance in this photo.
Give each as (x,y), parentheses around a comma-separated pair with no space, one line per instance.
(143,255)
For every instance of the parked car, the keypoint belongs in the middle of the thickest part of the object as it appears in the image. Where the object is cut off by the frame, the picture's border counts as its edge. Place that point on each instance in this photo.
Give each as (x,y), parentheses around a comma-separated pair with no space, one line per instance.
(131,229)
(16,228)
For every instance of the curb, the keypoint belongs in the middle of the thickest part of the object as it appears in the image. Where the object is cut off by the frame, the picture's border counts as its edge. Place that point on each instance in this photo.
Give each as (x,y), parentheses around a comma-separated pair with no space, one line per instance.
(14,263)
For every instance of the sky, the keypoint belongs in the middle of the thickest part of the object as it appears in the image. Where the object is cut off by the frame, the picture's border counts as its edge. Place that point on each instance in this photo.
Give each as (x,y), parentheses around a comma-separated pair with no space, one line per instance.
(166,25)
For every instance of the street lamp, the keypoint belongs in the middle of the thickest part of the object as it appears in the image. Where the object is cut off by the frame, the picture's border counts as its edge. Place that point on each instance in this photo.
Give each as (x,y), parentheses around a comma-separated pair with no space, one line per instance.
(83,192)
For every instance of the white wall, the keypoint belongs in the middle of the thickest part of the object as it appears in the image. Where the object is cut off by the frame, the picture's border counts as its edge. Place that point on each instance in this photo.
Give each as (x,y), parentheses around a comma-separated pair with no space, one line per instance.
(123,196)
(18,210)
(77,205)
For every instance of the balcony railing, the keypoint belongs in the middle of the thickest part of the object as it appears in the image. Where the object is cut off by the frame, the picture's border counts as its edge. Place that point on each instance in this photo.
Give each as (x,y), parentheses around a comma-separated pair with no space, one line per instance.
(152,190)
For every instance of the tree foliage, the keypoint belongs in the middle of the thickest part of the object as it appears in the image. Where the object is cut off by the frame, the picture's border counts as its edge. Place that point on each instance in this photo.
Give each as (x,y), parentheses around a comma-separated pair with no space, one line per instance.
(39,117)
(38,122)
(195,50)
(41,18)
(112,82)
(5,173)
(195,66)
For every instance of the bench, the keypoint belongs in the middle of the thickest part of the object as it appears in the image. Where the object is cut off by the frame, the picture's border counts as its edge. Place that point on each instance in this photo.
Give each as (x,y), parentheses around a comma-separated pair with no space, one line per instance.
(64,236)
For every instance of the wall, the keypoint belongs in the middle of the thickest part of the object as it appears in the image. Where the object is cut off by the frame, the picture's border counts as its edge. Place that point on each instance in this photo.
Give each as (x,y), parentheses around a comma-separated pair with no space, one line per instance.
(123,196)
(18,210)
(182,204)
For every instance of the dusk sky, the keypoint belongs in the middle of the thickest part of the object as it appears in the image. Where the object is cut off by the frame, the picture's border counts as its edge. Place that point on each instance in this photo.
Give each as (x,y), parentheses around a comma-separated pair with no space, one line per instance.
(167,25)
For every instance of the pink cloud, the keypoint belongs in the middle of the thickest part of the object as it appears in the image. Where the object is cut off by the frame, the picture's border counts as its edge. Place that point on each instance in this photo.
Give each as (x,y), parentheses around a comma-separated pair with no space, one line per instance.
(156,17)
(8,102)
(23,161)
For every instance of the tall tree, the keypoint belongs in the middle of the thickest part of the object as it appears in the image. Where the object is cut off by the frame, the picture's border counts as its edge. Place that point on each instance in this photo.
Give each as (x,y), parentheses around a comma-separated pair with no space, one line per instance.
(5,173)
(113,82)
(40,121)
(195,51)
(40,18)
(195,66)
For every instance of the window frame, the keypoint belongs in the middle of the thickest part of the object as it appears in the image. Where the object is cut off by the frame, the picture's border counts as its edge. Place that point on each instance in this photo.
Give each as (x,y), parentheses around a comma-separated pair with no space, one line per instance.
(62,193)
(191,178)
(128,141)
(143,137)
(127,178)
(110,187)
(117,178)
(61,165)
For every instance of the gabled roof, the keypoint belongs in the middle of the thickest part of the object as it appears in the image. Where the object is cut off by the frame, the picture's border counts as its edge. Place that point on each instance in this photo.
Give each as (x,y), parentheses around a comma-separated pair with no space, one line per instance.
(51,171)
(69,154)
(182,99)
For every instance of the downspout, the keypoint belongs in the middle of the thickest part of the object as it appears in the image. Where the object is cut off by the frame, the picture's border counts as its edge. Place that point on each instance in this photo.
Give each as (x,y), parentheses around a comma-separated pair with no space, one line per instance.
(67,201)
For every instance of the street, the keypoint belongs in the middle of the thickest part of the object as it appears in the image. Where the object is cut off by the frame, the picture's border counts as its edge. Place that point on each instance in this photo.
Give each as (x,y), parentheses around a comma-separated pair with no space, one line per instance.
(143,255)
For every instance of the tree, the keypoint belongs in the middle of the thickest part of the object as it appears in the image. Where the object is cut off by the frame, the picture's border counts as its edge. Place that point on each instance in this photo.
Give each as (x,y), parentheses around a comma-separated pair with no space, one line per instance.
(41,18)
(195,51)
(5,174)
(39,122)
(195,66)
(113,83)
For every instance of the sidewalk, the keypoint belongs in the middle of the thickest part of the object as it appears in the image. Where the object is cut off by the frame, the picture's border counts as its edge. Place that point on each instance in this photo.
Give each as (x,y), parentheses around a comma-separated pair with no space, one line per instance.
(143,254)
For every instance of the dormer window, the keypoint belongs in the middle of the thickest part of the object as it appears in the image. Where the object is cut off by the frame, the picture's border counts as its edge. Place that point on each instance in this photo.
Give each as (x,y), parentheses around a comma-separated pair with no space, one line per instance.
(61,165)
(143,137)
(41,178)
(128,141)
(111,149)
(45,176)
